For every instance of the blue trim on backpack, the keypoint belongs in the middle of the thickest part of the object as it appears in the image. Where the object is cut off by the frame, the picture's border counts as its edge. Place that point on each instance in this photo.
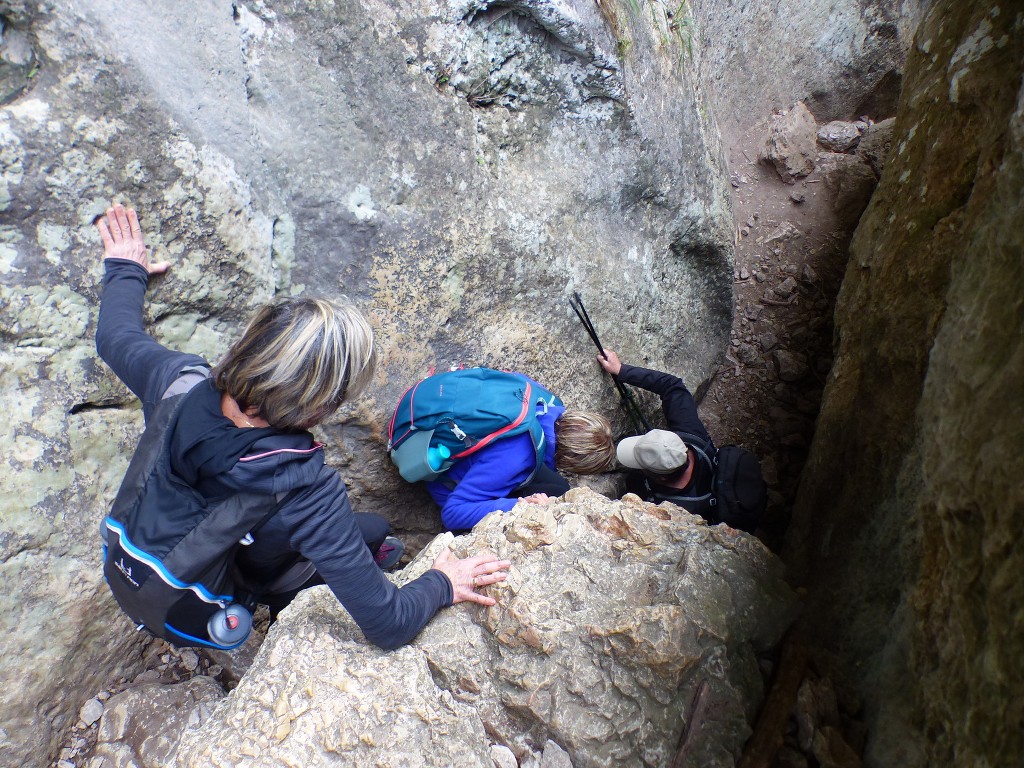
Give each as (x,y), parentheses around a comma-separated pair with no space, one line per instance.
(169,578)
(200,641)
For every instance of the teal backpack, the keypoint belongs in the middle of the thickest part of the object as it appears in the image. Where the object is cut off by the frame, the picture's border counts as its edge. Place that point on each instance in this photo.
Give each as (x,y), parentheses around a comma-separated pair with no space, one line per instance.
(448,416)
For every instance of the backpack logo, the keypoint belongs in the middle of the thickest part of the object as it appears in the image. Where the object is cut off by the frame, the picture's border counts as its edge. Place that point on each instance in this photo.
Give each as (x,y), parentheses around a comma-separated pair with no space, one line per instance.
(126,571)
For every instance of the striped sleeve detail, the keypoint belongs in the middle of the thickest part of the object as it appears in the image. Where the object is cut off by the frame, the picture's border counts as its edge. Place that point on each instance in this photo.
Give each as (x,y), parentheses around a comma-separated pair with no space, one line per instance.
(316,447)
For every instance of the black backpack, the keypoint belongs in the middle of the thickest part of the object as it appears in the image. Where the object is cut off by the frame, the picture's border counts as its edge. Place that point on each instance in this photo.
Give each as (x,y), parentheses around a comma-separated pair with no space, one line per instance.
(739,494)
(168,555)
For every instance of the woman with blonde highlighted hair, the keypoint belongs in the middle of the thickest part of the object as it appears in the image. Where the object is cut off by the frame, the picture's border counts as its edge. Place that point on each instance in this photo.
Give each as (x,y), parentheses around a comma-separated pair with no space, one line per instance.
(297,361)
(584,444)
(241,428)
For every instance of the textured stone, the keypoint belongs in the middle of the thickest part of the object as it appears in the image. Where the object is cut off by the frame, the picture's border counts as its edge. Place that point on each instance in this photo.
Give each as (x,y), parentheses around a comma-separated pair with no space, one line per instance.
(554,756)
(91,711)
(874,148)
(622,625)
(907,524)
(503,757)
(791,366)
(141,726)
(843,59)
(840,136)
(790,145)
(851,182)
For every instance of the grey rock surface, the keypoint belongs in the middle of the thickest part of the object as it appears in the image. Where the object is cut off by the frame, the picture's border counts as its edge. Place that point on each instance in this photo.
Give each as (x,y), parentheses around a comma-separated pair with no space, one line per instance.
(140,727)
(791,142)
(843,59)
(841,136)
(456,170)
(626,631)
(876,144)
(851,180)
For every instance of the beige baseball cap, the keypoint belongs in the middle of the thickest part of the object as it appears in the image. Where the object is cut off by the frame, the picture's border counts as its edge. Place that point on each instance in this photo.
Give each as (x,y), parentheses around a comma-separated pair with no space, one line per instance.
(659,452)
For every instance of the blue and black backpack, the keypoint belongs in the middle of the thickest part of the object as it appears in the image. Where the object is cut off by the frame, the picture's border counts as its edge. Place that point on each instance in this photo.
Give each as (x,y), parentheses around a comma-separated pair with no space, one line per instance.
(168,554)
(448,416)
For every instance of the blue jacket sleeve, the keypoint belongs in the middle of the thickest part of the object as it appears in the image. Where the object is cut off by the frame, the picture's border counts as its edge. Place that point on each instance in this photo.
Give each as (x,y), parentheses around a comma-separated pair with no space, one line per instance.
(324,530)
(146,367)
(676,401)
(485,483)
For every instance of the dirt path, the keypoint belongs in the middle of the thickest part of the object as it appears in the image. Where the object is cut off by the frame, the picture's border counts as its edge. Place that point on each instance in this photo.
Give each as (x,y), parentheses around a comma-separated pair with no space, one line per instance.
(791,251)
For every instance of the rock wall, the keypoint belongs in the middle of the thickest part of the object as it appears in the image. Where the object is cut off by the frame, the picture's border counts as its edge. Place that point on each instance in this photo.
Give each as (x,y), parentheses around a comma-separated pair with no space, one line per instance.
(457,169)
(843,59)
(909,512)
(627,634)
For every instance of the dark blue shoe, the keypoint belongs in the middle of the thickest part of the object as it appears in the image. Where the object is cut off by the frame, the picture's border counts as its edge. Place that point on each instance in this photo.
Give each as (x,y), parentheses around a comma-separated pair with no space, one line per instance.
(389,554)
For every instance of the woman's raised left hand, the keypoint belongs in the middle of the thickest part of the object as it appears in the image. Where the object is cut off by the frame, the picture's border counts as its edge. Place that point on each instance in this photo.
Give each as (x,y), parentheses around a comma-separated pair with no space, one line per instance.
(122,239)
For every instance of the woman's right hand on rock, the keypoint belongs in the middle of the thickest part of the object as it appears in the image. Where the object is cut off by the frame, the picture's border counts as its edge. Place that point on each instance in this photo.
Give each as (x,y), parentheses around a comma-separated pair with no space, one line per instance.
(122,239)
(468,574)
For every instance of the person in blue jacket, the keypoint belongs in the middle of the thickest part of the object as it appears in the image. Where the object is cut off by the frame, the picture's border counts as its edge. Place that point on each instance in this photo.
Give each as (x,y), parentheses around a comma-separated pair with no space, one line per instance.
(244,427)
(497,477)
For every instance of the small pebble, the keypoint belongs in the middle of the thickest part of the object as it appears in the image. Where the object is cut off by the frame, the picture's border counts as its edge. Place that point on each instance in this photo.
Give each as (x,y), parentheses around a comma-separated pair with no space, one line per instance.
(190,660)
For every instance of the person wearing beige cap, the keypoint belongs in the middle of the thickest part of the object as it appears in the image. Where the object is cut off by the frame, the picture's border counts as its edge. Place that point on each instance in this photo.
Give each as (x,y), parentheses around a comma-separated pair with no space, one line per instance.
(675,463)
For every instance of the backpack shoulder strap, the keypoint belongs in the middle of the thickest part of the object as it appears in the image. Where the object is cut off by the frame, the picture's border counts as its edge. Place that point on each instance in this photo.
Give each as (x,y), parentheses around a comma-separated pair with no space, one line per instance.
(188,378)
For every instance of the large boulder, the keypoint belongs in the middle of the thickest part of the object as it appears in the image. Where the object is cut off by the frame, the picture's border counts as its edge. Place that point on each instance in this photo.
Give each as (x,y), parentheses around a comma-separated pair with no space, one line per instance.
(627,633)
(908,520)
(457,169)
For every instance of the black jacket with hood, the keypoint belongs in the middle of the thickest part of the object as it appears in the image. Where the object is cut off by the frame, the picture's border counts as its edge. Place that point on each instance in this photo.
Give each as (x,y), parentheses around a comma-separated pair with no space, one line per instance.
(217,458)
(681,417)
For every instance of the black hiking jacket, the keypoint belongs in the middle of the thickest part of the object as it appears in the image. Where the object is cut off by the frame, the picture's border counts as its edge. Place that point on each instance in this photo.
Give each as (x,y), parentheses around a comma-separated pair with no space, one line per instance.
(216,458)
(681,417)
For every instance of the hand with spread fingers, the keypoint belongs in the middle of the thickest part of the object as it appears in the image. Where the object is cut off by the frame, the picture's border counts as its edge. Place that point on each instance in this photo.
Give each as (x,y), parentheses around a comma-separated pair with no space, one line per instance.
(470,573)
(122,239)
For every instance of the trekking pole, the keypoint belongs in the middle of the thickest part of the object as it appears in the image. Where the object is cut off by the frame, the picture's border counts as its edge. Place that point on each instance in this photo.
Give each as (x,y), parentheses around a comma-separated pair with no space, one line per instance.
(628,399)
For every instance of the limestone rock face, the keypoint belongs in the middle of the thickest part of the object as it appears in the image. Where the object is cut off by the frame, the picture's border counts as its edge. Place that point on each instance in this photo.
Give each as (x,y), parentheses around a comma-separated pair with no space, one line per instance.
(625,631)
(843,60)
(912,496)
(141,726)
(457,170)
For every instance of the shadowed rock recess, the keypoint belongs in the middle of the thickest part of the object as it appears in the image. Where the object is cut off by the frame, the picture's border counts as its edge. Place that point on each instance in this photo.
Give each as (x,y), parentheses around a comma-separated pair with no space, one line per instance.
(908,520)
